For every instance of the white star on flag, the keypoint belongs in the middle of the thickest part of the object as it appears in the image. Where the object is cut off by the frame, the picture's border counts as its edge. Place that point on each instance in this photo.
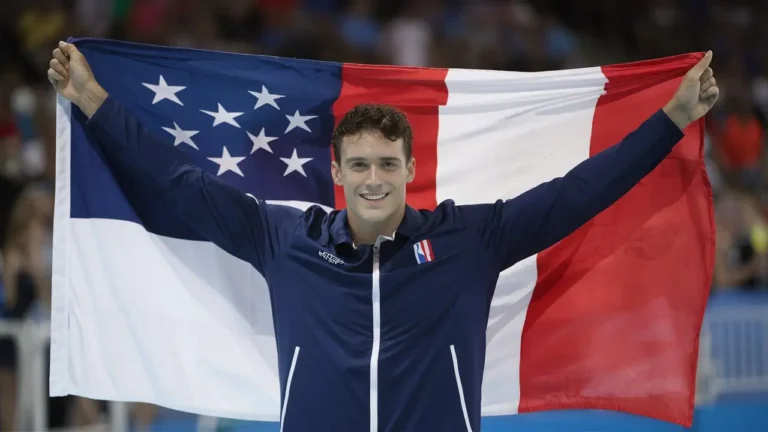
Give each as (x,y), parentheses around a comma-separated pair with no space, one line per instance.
(223,116)
(298,120)
(164,91)
(228,163)
(182,136)
(261,141)
(265,98)
(295,163)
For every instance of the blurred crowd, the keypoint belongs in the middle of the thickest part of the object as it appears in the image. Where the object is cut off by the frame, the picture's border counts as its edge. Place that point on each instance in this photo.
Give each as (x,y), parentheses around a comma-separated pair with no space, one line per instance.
(514,35)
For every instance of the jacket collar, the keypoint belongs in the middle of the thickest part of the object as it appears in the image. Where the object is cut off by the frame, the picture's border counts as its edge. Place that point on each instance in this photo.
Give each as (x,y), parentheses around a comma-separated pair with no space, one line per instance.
(412,221)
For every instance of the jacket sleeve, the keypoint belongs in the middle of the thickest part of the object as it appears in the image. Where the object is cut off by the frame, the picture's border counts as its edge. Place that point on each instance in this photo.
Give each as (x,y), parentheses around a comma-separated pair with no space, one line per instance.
(233,220)
(517,228)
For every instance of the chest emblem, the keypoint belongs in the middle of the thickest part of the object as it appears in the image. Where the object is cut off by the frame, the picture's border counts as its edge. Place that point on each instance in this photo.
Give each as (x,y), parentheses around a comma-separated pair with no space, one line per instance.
(423,251)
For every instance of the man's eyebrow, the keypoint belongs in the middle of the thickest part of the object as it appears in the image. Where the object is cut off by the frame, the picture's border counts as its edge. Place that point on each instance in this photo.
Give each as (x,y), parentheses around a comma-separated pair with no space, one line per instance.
(351,160)
(363,159)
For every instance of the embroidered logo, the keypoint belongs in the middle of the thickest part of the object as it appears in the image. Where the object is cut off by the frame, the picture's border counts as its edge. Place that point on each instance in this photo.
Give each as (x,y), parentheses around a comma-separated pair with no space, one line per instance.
(331,258)
(423,251)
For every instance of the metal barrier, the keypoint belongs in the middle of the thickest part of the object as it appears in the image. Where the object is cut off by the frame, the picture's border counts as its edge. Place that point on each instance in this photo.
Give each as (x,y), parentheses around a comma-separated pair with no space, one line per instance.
(733,358)
(32,339)
(706,376)
(738,347)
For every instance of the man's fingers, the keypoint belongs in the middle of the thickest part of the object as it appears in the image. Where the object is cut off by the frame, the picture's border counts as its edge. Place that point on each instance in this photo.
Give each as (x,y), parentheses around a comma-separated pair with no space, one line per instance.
(58,67)
(54,77)
(707,74)
(701,66)
(59,55)
(710,93)
(707,84)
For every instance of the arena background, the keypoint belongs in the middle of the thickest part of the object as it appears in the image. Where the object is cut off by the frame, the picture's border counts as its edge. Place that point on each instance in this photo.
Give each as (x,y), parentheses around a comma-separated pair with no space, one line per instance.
(514,35)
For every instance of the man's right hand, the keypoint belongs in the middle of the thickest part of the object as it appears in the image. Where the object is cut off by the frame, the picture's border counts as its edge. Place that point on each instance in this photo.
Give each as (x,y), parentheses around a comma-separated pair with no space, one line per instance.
(73,78)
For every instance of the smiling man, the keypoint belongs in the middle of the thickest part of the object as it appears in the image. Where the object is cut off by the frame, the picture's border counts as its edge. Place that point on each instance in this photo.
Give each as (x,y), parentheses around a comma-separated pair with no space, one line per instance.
(374,162)
(369,338)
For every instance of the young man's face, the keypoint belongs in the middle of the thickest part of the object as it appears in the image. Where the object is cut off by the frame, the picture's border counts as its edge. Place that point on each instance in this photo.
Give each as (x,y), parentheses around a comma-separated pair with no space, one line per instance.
(373,172)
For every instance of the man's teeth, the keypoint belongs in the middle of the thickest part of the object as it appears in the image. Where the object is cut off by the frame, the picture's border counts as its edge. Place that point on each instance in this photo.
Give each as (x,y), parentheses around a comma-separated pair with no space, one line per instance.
(374,197)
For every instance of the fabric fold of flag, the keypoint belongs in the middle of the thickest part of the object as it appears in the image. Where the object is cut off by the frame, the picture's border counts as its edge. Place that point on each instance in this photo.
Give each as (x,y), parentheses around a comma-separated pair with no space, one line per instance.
(145,309)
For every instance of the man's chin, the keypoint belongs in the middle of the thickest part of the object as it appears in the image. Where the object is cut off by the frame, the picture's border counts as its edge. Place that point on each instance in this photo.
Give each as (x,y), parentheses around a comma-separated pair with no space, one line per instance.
(373,215)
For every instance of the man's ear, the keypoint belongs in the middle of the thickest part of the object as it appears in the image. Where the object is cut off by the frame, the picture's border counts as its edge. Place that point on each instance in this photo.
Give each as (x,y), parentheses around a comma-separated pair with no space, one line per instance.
(336,173)
(411,170)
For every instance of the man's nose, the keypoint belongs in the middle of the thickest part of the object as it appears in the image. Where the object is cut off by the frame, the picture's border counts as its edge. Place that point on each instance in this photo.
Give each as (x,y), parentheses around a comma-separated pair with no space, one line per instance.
(372,179)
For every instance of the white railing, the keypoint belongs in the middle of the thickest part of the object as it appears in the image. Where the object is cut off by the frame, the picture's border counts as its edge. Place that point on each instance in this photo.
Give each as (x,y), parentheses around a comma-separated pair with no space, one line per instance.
(733,358)
(738,347)
(706,374)
(32,339)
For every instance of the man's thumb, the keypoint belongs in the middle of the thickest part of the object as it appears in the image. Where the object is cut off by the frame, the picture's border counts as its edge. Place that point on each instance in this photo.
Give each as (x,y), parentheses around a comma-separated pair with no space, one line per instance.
(701,66)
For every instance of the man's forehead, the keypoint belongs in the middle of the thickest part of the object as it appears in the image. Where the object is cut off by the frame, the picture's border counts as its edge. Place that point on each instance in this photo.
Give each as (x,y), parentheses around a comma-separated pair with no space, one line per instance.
(371,147)
(368,136)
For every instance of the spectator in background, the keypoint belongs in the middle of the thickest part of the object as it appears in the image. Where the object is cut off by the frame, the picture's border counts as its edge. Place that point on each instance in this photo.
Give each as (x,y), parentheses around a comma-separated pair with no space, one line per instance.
(560,43)
(407,39)
(41,24)
(358,26)
(10,155)
(760,94)
(240,22)
(10,133)
(739,141)
(26,279)
(742,242)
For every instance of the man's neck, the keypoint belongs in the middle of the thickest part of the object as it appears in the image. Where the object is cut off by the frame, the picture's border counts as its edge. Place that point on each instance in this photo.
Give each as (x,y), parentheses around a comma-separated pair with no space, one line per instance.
(363,233)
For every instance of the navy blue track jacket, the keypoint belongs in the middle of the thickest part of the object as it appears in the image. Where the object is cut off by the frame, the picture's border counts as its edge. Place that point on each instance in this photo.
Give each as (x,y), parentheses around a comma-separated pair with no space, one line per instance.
(367,338)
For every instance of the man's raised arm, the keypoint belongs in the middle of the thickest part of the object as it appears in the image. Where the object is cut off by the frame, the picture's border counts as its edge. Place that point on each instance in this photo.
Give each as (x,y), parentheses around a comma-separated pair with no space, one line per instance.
(533,221)
(216,210)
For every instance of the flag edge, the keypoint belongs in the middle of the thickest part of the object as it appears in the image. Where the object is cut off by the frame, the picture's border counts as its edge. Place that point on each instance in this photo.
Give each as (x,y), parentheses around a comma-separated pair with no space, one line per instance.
(59,380)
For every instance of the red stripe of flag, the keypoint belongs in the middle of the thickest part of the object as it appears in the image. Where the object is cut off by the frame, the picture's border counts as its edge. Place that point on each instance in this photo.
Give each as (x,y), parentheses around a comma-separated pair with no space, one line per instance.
(419,93)
(614,319)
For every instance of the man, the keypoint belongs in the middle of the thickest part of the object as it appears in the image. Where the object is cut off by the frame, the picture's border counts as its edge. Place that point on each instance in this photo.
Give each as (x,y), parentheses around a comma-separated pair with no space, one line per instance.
(380,310)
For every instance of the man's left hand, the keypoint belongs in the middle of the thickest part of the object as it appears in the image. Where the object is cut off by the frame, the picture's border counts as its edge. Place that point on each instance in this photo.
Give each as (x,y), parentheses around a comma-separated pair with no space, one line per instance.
(696,95)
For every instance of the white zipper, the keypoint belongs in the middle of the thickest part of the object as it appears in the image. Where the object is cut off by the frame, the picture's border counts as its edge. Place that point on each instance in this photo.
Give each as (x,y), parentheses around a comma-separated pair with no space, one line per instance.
(461,389)
(376,297)
(288,386)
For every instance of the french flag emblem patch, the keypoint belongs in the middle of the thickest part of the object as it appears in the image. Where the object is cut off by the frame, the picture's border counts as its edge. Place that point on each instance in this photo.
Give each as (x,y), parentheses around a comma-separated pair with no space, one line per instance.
(423,250)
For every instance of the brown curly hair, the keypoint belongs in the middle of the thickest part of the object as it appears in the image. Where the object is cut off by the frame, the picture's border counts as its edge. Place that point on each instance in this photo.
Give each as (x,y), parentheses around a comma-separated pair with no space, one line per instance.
(387,120)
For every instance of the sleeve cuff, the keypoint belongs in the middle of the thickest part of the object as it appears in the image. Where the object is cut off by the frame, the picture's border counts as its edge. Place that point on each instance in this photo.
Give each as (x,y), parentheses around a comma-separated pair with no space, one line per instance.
(666,126)
(103,110)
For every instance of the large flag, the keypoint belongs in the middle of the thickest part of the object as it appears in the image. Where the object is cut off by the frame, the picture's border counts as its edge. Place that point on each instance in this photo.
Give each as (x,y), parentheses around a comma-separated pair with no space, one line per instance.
(146,310)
